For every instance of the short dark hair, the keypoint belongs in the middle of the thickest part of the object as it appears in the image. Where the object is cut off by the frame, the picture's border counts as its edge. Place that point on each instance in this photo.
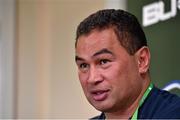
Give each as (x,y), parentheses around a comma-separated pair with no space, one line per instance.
(124,24)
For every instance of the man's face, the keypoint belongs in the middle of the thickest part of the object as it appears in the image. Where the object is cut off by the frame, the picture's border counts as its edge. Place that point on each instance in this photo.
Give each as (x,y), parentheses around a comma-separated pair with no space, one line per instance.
(108,74)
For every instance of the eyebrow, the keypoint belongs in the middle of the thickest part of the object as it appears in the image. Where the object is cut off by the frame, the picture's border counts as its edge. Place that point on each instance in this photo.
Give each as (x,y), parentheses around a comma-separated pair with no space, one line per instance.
(102,51)
(77,58)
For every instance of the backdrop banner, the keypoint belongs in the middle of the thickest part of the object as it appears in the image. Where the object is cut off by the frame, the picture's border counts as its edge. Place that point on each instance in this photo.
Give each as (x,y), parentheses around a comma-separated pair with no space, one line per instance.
(160,20)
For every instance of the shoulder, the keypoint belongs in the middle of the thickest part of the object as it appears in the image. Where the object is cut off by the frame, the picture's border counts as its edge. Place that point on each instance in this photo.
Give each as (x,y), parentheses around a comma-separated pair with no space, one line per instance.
(169,105)
(165,98)
(161,104)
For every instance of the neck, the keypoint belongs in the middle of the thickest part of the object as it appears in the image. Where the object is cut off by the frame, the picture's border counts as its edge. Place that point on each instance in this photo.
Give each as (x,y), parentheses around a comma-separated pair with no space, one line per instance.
(128,112)
(123,114)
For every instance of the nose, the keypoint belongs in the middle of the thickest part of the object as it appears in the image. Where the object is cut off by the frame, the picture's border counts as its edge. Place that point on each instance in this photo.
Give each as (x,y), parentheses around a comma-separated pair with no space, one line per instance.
(95,76)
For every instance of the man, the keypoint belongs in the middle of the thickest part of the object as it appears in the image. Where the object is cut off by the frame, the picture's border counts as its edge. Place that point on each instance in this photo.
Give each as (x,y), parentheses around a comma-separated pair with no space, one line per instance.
(113,65)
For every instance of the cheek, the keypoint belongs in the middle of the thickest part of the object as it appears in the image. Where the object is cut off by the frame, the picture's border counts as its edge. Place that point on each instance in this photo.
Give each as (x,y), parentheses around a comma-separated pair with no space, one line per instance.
(83,79)
(123,75)
(114,72)
(117,75)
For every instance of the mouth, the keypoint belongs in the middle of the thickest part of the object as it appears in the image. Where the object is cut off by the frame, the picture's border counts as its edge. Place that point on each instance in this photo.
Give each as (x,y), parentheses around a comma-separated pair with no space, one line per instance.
(100,95)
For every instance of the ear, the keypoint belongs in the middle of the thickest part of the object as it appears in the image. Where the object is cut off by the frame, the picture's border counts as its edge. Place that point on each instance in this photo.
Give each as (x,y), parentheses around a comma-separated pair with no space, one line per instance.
(143,59)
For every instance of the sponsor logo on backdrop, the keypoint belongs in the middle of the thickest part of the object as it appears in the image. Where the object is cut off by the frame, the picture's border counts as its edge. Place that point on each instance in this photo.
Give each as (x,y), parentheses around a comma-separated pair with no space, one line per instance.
(155,12)
(175,84)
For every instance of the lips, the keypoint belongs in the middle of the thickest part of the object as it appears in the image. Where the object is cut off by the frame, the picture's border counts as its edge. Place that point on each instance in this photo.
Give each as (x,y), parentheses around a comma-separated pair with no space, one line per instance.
(99,95)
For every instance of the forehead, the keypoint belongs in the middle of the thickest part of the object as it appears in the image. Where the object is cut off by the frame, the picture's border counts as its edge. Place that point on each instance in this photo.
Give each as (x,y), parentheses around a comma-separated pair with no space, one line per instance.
(97,40)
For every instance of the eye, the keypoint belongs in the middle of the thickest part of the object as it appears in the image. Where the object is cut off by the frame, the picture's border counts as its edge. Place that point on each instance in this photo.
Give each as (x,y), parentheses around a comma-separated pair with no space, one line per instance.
(104,61)
(83,66)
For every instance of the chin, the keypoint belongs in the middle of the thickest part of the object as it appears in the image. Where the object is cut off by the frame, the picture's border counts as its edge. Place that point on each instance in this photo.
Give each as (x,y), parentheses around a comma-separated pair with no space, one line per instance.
(102,106)
(105,109)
